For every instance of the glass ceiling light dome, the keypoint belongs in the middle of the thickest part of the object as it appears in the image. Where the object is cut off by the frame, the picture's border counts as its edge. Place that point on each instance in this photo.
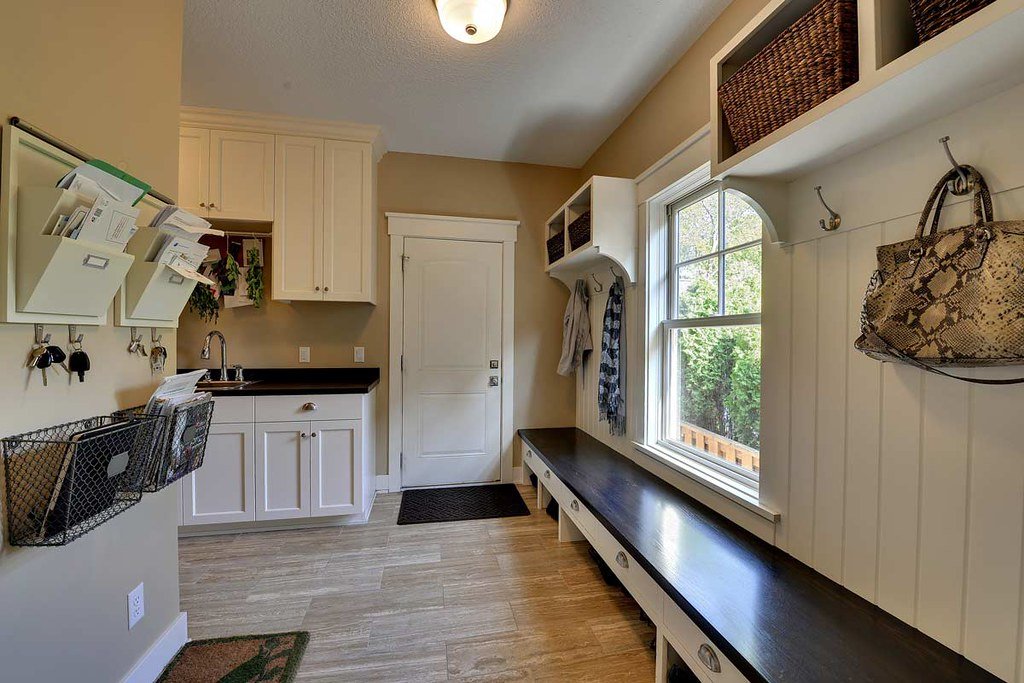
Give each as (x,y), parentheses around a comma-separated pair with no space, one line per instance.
(472,21)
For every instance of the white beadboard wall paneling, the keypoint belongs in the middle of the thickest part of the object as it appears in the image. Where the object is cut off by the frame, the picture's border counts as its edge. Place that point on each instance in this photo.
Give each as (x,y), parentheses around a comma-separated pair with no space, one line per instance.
(830,451)
(803,403)
(863,427)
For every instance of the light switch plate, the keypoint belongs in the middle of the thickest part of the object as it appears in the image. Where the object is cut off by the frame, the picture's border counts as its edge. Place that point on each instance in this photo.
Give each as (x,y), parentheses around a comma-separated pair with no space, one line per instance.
(303,354)
(136,605)
(360,354)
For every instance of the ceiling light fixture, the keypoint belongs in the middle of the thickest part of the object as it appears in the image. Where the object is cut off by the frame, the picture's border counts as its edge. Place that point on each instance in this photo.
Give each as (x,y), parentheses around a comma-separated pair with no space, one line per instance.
(471,21)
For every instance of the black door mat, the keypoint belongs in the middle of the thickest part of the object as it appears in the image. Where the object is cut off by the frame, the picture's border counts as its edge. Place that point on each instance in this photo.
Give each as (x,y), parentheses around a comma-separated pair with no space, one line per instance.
(423,506)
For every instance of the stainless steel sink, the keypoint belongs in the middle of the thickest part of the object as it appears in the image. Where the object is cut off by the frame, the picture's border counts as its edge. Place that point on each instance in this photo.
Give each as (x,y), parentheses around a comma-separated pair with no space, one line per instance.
(223,385)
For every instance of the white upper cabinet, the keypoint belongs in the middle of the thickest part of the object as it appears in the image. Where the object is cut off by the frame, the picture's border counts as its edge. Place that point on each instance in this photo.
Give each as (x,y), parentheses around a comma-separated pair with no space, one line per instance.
(298,247)
(226,175)
(349,234)
(324,227)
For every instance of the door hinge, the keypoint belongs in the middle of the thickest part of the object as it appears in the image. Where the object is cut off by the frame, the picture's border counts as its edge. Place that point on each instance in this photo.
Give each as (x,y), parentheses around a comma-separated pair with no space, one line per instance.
(401,360)
(404,259)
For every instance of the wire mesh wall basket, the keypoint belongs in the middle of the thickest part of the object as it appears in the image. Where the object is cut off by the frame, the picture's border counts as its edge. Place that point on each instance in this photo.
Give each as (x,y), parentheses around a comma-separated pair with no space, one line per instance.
(64,481)
(180,442)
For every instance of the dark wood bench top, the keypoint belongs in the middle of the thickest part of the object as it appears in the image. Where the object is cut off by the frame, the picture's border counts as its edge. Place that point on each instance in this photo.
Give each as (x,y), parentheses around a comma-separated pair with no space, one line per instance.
(775,618)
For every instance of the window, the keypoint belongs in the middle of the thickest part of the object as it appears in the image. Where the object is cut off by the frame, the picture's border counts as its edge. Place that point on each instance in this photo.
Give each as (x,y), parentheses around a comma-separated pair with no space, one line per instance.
(712,334)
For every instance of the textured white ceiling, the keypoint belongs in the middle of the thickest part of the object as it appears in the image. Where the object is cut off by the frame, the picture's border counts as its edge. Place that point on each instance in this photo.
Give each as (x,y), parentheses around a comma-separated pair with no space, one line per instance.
(557,80)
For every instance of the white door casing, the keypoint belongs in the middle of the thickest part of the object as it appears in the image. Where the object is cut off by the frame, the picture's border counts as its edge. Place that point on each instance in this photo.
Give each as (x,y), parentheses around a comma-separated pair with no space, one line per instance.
(451,335)
(460,428)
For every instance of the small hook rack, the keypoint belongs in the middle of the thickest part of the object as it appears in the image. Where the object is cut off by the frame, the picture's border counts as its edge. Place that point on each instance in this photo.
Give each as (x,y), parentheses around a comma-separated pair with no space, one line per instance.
(599,287)
(75,338)
(42,339)
(153,337)
(834,219)
(961,185)
(136,345)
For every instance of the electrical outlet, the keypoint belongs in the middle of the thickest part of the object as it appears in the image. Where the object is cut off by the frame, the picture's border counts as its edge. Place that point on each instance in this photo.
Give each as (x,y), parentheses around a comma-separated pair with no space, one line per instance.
(136,605)
(303,354)
(360,354)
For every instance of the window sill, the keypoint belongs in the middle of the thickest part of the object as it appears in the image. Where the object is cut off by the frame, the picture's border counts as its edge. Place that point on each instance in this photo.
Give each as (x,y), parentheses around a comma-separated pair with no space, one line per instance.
(745,496)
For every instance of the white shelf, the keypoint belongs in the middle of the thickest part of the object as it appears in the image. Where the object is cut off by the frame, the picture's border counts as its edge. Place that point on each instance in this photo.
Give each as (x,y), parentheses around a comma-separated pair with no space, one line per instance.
(612,206)
(898,90)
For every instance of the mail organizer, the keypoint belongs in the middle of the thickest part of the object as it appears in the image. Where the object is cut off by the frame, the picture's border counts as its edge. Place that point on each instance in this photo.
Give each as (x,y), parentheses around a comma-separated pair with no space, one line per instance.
(180,442)
(57,274)
(64,481)
(152,290)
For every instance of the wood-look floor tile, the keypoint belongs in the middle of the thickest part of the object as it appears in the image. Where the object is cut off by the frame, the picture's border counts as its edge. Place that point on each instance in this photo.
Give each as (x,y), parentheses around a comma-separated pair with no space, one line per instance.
(622,634)
(522,651)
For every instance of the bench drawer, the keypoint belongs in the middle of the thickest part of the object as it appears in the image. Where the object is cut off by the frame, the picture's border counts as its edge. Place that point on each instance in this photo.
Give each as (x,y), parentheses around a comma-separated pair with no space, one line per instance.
(233,409)
(300,408)
(638,582)
(554,485)
(684,633)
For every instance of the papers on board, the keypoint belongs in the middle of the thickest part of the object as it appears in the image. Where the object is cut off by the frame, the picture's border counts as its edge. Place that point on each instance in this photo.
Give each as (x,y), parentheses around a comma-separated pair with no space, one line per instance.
(92,181)
(179,248)
(104,213)
(174,388)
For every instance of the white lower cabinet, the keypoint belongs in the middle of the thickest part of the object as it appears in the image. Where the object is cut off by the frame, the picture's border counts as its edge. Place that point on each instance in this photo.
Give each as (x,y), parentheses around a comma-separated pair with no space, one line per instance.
(282,470)
(336,447)
(222,490)
(267,465)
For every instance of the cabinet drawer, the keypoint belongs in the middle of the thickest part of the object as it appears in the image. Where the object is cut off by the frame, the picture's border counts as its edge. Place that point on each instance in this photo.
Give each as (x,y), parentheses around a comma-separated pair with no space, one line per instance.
(639,584)
(554,486)
(320,407)
(232,409)
(711,663)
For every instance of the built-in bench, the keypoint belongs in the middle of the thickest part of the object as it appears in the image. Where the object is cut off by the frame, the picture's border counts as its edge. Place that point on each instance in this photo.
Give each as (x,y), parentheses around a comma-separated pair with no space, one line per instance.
(730,606)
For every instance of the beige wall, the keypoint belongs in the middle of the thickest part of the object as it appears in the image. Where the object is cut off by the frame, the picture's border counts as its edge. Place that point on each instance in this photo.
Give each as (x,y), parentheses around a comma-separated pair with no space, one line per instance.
(64,610)
(676,107)
(412,183)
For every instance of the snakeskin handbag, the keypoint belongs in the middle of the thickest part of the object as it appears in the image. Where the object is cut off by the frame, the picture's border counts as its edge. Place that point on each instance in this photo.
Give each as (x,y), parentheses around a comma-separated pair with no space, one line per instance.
(950,298)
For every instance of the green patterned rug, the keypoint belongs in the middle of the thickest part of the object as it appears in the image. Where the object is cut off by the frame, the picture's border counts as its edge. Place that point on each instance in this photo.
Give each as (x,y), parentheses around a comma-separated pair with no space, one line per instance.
(269,658)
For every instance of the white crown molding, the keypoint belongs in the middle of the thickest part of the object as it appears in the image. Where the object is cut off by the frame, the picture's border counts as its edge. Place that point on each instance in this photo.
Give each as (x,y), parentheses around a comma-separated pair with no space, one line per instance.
(231,119)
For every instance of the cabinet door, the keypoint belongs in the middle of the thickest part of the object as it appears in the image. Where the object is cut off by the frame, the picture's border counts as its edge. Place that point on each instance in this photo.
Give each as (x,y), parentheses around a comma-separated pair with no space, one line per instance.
(349,222)
(337,471)
(282,470)
(241,175)
(298,220)
(222,489)
(194,169)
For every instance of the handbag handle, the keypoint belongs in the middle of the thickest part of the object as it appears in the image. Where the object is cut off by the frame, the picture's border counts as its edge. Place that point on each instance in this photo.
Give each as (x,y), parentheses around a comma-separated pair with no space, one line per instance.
(910,360)
(982,200)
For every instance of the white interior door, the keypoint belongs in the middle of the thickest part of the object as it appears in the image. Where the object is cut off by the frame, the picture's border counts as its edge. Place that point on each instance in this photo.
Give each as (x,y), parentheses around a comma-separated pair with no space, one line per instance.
(451,406)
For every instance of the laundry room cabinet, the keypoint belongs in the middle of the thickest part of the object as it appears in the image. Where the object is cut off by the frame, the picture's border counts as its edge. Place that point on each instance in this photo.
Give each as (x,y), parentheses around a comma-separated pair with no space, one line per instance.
(226,174)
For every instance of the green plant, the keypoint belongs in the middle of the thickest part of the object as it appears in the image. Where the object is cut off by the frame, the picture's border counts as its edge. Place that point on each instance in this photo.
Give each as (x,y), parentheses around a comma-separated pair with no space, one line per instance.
(230,275)
(204,304)
(254,277)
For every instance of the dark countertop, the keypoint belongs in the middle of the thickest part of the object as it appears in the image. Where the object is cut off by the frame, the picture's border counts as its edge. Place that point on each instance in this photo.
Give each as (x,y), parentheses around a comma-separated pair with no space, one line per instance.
(775,618)
(286,381)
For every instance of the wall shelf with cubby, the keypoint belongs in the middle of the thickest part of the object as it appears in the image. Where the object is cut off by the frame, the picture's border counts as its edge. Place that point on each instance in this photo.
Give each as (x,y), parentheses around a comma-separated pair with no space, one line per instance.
(597,227)
(902,84)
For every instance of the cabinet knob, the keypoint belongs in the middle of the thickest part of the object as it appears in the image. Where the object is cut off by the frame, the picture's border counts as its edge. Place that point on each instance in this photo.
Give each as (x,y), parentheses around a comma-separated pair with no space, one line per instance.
(303,435)
(709,658)
(313,435)
(327,289)
(309,406)
(317,288)
(212,205)
(202,204)
(622,560)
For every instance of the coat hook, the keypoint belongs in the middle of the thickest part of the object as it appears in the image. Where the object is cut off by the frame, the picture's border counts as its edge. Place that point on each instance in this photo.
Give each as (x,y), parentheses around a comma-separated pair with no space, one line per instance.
(961,185)
(42,339)
(74,337)
(599,287)
(154,338)
(834,219)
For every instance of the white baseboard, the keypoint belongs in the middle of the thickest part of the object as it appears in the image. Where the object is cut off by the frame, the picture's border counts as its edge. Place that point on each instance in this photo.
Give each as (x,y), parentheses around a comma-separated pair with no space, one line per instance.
(160,654)
(383,483)
(517,475)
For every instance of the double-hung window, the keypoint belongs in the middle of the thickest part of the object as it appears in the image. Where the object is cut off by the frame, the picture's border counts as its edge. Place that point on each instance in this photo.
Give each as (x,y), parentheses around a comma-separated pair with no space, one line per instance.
(712,334)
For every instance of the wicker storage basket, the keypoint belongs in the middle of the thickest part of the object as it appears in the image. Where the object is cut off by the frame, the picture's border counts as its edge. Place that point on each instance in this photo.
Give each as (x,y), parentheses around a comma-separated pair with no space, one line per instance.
(556,247)
(803,66)
(932,17)
(579,231)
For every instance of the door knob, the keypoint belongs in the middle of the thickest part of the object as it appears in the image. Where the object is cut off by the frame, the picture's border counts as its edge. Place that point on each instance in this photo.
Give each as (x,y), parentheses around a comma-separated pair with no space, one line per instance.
(313,435)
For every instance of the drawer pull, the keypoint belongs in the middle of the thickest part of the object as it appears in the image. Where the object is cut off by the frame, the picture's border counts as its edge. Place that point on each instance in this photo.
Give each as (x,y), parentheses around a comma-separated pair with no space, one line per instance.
(547,474)
(529,455)
(309,406)
(575,505)
(708,658)
(622,560)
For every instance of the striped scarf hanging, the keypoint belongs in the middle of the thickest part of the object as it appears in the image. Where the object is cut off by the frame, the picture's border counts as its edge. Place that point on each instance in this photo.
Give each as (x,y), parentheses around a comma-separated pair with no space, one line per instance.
(611,404)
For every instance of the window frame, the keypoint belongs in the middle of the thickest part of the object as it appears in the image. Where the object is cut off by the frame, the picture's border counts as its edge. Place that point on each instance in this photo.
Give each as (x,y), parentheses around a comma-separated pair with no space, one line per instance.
(671,321)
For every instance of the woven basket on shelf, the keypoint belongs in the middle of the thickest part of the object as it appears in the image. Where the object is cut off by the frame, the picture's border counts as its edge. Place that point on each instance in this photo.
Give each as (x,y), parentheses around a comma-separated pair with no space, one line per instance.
(932,17)
(803,66)
(579,231)
(556,247)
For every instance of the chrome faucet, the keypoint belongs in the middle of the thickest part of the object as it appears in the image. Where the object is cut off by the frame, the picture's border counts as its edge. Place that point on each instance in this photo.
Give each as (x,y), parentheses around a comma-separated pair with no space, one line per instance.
(205,355)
